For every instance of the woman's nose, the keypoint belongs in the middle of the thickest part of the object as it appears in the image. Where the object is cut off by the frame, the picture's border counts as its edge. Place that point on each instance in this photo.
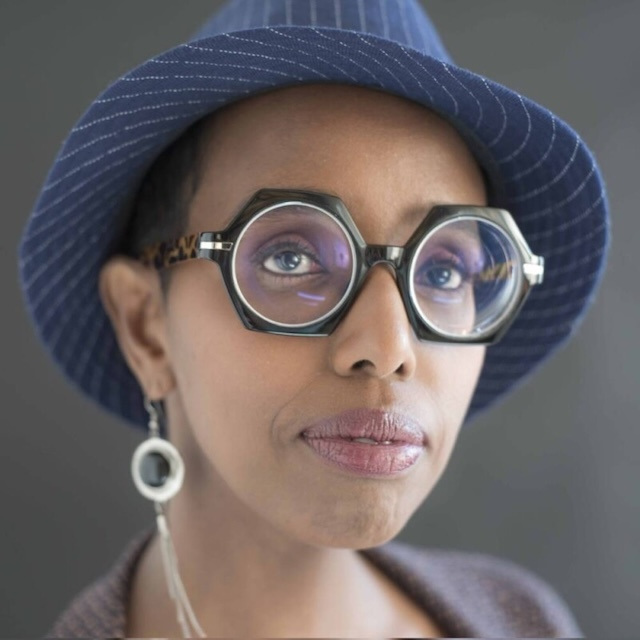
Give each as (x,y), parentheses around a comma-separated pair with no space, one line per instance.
(375,336)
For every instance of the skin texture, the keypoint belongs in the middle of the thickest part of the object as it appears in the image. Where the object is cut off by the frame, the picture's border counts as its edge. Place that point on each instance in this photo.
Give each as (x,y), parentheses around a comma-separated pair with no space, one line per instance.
(265,531)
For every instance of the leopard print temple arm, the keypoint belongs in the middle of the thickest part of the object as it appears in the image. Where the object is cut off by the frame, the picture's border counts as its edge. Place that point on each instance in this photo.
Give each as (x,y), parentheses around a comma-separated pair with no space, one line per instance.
(164,254)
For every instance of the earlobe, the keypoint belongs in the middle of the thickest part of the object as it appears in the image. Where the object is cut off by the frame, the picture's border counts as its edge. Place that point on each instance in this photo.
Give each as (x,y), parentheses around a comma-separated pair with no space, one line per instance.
(133,300)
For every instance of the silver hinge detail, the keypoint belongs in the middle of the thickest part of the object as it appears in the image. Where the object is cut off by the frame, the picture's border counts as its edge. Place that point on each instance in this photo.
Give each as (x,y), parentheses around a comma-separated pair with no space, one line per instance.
(534,272)
(221,246)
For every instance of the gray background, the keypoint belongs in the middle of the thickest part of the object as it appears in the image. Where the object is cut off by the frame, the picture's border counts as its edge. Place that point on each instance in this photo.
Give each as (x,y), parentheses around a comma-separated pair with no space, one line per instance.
(549,479)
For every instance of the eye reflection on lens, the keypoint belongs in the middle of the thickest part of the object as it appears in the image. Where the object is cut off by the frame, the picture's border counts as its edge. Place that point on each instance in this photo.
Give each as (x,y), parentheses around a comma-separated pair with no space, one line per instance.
(463,278)
(293,264)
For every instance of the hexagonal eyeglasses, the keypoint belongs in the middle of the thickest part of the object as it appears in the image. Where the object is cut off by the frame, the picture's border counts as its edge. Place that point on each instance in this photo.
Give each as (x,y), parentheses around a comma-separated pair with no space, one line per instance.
(293,262)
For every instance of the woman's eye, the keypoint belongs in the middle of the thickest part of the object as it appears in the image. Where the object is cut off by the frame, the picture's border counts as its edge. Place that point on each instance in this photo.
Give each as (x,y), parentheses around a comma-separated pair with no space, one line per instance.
(441,275)
(289,260)
(444,276)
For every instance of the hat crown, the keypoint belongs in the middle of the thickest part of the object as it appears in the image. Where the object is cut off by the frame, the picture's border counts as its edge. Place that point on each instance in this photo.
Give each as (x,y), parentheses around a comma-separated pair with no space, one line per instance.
(403,21)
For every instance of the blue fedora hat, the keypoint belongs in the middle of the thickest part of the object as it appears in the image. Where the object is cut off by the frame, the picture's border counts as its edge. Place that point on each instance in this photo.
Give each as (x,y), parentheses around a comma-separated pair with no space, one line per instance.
(538,168)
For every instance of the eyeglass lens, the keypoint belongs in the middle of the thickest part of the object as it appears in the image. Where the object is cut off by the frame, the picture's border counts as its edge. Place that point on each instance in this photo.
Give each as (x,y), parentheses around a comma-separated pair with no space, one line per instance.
(463,278)
(294,264)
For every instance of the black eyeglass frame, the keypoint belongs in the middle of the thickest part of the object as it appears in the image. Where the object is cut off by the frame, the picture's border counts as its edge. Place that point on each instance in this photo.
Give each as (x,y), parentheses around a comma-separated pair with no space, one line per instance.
(218,246)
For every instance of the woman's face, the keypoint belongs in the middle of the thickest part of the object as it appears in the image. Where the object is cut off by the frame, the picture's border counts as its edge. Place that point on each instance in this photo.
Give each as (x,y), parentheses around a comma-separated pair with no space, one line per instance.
(242,398)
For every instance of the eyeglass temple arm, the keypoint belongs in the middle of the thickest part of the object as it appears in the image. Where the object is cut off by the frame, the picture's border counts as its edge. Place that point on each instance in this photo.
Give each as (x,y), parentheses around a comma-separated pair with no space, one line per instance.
(533,271)
(196,245)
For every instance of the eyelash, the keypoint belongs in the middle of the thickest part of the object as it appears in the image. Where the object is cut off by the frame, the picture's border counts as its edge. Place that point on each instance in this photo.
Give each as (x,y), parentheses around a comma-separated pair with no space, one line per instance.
(452,261)
(295,246)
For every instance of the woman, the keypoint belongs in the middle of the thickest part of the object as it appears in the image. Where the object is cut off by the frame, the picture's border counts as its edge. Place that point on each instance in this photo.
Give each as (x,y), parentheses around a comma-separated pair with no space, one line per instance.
(304,395)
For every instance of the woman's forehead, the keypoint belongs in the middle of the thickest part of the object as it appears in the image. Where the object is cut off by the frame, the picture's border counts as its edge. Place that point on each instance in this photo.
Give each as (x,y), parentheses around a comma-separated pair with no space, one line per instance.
(337,113)
(362,145)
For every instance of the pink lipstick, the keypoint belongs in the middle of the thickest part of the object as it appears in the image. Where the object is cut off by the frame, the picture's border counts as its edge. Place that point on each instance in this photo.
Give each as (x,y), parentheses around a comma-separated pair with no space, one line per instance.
(367,441)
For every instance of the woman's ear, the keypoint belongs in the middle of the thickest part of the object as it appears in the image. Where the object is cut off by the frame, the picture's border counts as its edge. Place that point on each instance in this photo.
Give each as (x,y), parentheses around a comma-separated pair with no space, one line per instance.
(132,297)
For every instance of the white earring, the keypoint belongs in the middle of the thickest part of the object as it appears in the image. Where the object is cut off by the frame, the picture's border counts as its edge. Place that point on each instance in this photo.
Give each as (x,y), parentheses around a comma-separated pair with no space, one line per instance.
(158,471)
(157,467)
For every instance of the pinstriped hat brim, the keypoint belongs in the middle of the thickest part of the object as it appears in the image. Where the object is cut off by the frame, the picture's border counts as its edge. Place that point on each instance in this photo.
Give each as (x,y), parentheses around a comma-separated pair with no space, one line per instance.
(547,178)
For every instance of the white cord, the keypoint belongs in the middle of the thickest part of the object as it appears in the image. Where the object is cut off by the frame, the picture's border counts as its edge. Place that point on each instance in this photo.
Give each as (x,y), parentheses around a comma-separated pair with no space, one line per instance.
(169,557)
(174,582)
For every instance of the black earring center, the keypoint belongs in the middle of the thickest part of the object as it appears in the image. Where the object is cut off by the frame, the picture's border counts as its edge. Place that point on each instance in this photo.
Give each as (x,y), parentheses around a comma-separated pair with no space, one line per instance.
(154,469)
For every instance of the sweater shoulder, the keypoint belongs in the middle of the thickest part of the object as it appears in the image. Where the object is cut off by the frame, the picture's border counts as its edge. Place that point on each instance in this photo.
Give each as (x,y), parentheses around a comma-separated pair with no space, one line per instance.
(493,595)
(92,612)
(100,608)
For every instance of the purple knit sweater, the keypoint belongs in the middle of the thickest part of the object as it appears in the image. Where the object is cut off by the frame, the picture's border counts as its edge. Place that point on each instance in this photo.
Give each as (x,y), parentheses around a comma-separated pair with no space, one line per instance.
(469,595)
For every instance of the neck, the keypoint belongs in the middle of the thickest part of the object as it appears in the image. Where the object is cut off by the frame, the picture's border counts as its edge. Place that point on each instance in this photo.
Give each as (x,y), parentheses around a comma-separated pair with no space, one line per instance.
(244,577)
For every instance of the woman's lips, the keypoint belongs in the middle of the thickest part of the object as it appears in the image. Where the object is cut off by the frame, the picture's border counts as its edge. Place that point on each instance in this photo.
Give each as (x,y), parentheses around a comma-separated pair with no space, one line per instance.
(398,441)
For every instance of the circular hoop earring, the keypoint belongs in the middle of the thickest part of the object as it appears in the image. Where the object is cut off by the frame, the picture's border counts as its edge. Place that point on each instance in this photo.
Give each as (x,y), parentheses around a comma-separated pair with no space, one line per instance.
(158,471)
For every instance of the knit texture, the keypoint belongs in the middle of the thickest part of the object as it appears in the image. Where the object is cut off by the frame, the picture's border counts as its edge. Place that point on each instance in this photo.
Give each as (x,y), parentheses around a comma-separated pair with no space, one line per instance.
(467,594)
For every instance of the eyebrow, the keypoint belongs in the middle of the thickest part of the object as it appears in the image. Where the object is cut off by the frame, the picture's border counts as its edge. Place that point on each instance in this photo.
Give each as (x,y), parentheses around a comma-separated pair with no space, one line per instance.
(418,214)
(412,217)
(467,231)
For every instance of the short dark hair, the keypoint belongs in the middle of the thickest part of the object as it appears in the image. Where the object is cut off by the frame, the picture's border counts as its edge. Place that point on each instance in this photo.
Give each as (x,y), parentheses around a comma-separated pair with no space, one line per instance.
(161,205)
